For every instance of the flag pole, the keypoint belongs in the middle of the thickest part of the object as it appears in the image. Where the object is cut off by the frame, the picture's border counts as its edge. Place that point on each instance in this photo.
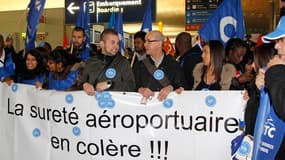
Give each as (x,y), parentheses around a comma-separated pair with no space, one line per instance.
(133,60)
(71,49)
(18,22)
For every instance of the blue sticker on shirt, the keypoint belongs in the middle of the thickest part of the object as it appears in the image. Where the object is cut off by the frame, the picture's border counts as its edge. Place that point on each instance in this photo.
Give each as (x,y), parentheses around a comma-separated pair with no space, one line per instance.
(110,73)
(158,74)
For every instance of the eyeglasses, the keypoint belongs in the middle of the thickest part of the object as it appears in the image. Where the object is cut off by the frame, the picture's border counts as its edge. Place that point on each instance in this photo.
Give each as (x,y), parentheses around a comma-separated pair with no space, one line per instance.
(150,41)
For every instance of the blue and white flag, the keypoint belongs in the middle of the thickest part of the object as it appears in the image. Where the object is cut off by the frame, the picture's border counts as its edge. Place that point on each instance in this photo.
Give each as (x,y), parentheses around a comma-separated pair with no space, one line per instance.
(119,29)
(35,11)
(269,130)
(147,18)
(83,20)
(226,22)
(112,21)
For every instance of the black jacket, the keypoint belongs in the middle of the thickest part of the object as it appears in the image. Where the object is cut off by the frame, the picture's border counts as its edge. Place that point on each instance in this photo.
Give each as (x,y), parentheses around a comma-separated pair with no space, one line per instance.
(96,67)
(189,61)
(170,68)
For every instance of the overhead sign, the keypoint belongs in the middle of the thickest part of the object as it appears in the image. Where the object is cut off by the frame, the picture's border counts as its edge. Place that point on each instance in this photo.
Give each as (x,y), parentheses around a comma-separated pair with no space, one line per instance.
(198,12)
(100,10)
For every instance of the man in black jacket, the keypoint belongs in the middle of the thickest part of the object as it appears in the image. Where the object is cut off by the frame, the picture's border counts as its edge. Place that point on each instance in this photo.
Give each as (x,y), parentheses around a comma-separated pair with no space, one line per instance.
(166,74)
(108,70)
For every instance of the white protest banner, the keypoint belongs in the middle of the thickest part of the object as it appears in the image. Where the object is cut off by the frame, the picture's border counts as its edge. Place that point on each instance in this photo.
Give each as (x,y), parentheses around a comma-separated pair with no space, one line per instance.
(49,125)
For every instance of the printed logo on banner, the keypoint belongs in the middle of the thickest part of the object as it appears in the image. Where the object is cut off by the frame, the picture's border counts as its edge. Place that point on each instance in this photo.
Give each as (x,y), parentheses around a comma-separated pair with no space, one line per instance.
(69,98)
(36,132)
(158,74)
(210,101)
(110,73)
(14,87)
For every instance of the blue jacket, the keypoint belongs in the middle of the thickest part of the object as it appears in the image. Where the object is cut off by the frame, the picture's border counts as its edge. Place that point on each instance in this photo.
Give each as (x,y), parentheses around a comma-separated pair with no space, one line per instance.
(8,69)
(62,84)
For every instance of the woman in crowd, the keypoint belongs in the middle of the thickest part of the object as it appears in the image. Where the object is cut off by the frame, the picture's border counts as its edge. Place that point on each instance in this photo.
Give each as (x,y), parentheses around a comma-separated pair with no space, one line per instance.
(261,57)
(34,72)
(63,74)
(212,73)
(235,52)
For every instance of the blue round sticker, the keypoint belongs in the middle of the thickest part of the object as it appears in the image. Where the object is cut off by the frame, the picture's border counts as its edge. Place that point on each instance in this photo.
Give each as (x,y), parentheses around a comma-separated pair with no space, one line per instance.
(36,132)
(244,149)
(110,103)
(106,95)
(14,87)
(168,103)
(76,131)
(102,103)
(210,101)
(110,73)
(98,96)
(158,74)
(69,98)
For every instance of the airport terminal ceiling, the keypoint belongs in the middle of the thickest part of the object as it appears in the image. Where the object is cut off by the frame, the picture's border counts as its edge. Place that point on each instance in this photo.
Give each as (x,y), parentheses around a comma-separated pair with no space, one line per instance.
(258,19)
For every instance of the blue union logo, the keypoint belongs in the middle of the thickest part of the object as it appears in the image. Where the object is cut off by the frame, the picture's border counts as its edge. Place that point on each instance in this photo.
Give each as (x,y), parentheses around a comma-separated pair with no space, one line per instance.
(210,101)
(244,149)
(110,73)
(158,74)
(69,98)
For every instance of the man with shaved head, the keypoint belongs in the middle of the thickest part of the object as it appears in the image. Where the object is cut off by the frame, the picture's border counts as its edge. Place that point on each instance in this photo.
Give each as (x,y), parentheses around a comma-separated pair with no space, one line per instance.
(158,71)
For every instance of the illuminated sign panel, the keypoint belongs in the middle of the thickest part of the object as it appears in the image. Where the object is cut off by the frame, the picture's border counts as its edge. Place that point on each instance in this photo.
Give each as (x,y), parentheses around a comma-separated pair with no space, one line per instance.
(100,10)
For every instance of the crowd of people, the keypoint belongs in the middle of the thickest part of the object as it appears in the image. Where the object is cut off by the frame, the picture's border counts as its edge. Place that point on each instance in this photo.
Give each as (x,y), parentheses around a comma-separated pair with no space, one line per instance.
(203,66)
(208,65)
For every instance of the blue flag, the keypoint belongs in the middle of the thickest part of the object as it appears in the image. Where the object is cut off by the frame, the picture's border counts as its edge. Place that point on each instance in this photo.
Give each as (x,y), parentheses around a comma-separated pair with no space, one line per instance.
(147,18)
(268,131)
(119,29)
(112,21)
(226,22)
(83,20)
(35,11)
